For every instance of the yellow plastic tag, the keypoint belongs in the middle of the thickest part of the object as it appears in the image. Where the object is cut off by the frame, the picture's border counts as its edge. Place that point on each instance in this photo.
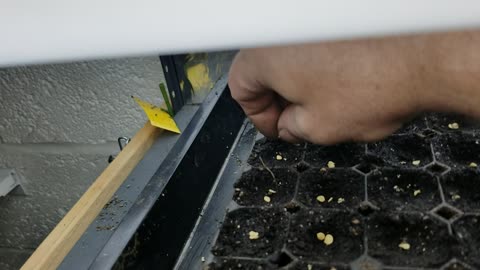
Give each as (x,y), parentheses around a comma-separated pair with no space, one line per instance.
(157,116)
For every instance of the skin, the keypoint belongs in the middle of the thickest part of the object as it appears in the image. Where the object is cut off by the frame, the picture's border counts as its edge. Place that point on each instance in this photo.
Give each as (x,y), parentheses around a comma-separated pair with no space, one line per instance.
(360,90)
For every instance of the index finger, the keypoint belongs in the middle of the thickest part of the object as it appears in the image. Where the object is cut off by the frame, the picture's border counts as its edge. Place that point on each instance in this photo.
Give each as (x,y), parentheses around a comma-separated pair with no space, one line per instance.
(260,104)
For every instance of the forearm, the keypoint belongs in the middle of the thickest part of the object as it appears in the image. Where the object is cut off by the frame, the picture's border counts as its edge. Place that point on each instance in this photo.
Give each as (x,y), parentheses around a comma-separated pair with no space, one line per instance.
(451,69)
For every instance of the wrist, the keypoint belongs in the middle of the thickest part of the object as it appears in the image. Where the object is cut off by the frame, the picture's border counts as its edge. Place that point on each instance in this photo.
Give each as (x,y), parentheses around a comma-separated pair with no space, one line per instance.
(448,65)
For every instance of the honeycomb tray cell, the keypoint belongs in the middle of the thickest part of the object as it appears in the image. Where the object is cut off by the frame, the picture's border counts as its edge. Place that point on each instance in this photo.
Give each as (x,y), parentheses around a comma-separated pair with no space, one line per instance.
(410,201)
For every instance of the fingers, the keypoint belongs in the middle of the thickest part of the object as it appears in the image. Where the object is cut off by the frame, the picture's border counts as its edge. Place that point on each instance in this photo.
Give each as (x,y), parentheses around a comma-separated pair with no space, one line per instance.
(288,124)
(297,124)
(259,103)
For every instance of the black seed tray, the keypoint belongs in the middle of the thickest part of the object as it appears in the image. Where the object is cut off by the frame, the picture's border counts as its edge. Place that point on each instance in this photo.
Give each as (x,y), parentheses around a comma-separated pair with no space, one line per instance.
(411,201)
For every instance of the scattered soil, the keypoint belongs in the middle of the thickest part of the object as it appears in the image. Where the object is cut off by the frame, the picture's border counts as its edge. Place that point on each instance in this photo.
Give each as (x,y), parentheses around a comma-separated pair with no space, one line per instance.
(257,183)
(417,125)
(401,151)
(313,266)
(343,155)
(429,240)
(462,189)
(457,266)
(330,184)
(234,264)
(457,150)
(440,122)
(398,190)
(347,232)
(467,231)
(233,240)
(269,150)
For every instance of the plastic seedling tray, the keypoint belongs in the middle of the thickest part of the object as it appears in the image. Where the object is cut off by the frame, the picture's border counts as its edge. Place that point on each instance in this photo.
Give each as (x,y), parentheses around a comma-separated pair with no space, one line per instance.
(411,200)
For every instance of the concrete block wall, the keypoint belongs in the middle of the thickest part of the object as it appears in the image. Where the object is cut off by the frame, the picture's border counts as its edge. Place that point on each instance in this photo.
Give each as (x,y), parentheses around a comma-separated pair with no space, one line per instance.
(58,125)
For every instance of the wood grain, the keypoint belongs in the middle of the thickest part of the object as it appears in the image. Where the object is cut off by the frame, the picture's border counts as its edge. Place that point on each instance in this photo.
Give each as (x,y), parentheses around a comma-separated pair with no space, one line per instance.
(63,237)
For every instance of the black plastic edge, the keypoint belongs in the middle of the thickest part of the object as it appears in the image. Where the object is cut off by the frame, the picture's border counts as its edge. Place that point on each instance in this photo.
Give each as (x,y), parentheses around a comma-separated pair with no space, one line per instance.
(151,228)
(196,253)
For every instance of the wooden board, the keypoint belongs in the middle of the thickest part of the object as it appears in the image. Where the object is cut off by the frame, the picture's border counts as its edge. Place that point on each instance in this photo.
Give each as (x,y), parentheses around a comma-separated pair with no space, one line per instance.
(63,237)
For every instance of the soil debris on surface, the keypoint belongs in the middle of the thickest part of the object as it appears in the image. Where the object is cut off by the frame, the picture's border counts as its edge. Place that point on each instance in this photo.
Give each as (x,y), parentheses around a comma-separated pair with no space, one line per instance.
(410,201)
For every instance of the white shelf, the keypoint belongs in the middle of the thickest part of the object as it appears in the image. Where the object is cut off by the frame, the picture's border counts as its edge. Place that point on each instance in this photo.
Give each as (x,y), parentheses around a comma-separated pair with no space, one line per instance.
(57,30)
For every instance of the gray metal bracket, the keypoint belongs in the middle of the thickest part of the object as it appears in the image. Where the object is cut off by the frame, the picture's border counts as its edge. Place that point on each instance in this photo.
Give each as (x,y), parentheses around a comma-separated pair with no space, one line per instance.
(10,182)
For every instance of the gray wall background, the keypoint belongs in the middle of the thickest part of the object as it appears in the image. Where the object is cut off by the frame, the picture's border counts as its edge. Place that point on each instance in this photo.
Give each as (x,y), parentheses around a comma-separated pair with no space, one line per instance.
(58,125)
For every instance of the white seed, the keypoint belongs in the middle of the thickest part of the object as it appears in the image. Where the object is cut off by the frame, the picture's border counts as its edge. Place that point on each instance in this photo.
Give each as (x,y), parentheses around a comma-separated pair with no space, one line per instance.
(455,197)
(253,235)
(416,162)
(321,236)
(416,192)
(340,200)
(267,199)
(453,126)
(321,198)
(473,165)
(309,267)
(404,245)
(328,239)
(331,164)
(203,259)
(331,198)
(279,157)
(271,191)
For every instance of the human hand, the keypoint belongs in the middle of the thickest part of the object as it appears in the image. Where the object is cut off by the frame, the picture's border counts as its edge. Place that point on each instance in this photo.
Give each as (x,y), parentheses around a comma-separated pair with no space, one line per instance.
(329,92)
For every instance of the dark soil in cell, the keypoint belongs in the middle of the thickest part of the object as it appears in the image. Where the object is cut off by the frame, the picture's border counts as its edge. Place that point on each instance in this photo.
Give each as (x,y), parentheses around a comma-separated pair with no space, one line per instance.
(429,243)
(441,123)
(467,231)
(255,184)
(457,150)
(343,155)
(462,189)
(401,151)
(346,229)
(396,190)
(313,266)
(416,125)
(236,264)
(457,266)
(275,153)
(234,240)
(331,185)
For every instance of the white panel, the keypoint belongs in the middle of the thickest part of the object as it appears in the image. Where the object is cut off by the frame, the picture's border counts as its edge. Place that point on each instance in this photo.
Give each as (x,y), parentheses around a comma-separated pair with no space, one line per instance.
(59,30)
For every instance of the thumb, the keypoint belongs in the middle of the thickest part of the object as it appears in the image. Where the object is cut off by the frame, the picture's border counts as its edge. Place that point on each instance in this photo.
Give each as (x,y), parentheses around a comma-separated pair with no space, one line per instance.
(290,126)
